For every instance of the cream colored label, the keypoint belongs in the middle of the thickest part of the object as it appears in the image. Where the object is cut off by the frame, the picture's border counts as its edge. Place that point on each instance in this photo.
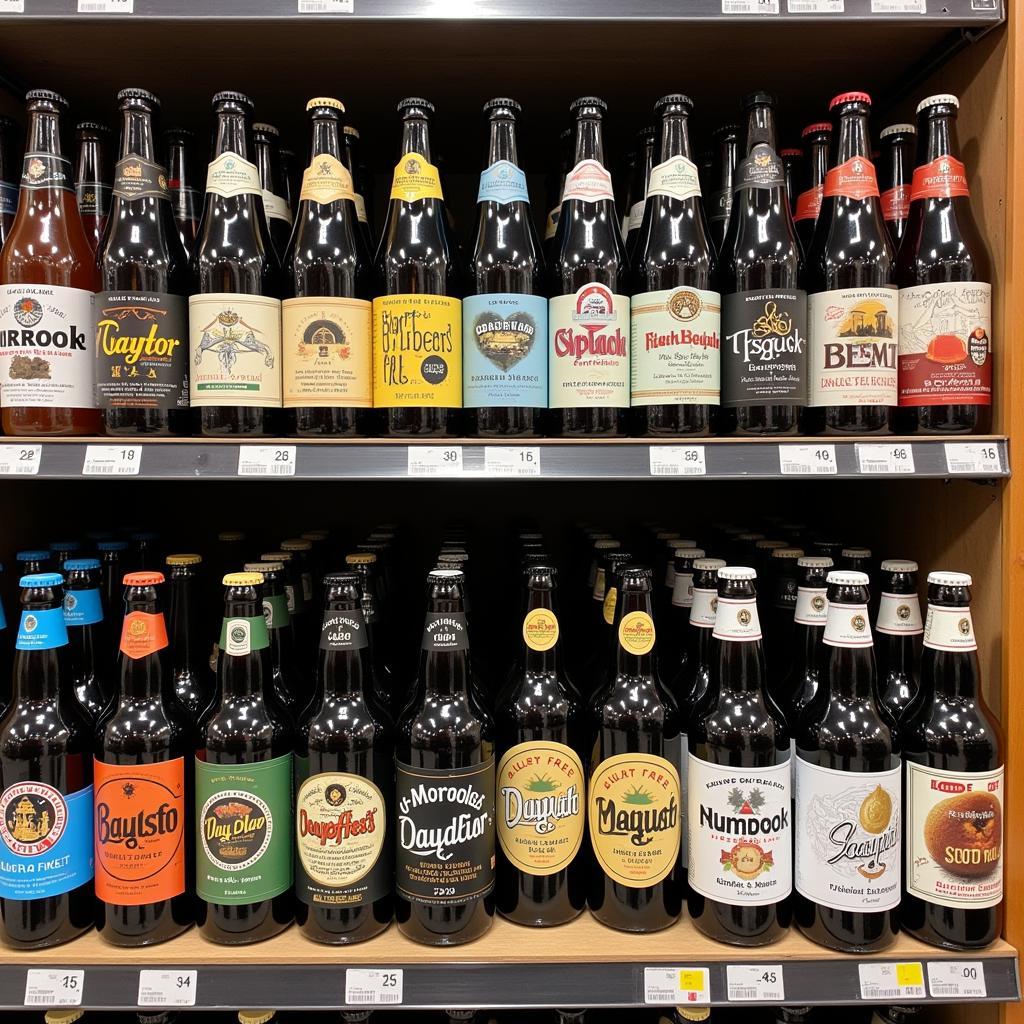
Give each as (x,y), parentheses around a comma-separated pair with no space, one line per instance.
(949,629)
(899,614)
(608,608)
(327,353)
(540,629)
(276,207)
(704,610)
(847,625)
(597,591)
(636,633)
(415,178)
(326,180)
(682,590)
(811,606)
(229,175)
(636,216)
(360,208)
(676,178)
(736,619)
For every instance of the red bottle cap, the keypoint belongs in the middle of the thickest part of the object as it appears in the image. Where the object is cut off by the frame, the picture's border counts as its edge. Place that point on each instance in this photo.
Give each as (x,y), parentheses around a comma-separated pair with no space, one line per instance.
(818,126)
(143,579)
(850,97)
(791,152)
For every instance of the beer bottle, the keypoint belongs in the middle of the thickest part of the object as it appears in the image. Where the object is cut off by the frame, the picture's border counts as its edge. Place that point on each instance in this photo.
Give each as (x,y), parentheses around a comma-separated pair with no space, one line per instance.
(719,201)
(417,315)
(802,680)
(444,876)
(351,151)
(588,315)
(783,578)
(33,561)
(345,777)
(244,784)
(851,284)
(793,171)
(46,872)
(61,551)
(739,802)
(234,314)
(112,554)
(378,632)
(634,796)
(643,161)
(945,290)
(818,140)
(92,178)
(694,689)
(88,658)
(764,307)
(190,667)
(676,311)
(505,312)
(895,173)
(954,786)
(144,553)
(599,658)
(305,629)
(675,660)
(144,740)
(899,630)
(328,380)
(9,147)
(291,691)
(556,186)
(847,790)
(289,176)
(541,781)
(265,142)
(48,276)
(186,200)
(142,309)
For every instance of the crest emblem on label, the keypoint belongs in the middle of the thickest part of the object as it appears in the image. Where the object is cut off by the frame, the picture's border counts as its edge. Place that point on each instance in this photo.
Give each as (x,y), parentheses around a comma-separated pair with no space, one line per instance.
(33,816)
(506,341)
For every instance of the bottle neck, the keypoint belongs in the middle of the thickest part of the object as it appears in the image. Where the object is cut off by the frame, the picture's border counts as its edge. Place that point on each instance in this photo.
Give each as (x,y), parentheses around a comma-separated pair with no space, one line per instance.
(241,675)
(675,137)
(819,161)
(137,134)
(142,678)
(628,663)
(265,165)
(416,137)
(853,137)
(728,154)
(177,159)
(502,143)
(343,671)
(182,626)
(36,674)
(760,127)
(326,140)
(231,136)
(940,138)
(537,658)
(444,664)
(89,161)
(589,140)
(44,133)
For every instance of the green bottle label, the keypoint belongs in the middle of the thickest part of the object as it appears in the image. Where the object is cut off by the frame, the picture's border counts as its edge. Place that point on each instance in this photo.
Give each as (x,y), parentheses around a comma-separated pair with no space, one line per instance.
(243,636)
(244,829)
(275,611)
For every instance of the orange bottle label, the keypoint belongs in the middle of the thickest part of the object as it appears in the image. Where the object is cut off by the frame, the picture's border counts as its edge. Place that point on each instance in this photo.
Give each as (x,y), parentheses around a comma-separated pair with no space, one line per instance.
(855,179)
(139,828)
(944,178)
(143,633)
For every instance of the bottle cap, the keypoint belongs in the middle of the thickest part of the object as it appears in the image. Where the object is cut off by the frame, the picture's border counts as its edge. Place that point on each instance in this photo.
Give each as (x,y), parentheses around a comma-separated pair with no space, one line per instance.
(296,544)
(145,535)
(265,129)
(243,579)
(647,133)
(788,553)
(349,130)
(897,129)
(847,578)
(316,536)
(818,126)
(747,537)
(277,556)
(342,579)
(709,564)
(850,97)
(112,545)
(942,99)
(263,567)
(666,535)
(606,545)
(324,101)
(856,552)
(143,579)
(361,558)
(444,575)
(587,101)
(186,133)
(792,151)
(737,572)
(230,536)
(726,131)
(232,97)
(189,559)
(32,555)
(761,98)
(690,551)
(65,545)
(673,99)
(694,1013)
(502,102)
(899,565)
(940,579)
(416,101)
(92,126)
(138,94)
(41,579)
(81,564)
(63,1016)
(636,572)
(815,562)
(256,1016)
(769,545)
(47,96)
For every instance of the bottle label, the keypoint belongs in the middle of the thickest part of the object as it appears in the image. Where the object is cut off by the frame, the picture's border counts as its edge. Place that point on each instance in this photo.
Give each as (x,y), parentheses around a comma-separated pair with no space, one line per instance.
(3,617)
(854,178)
(670,573)
(244,842)
(945,629)
(8,198)
(344,631)
(784,597)
(896,203)
(340,830)
(415,178)
(719,205)
(239,637)
(445,833)
(704,610)
(764,350)
(848,837)
(811,606)
(899,615)
(445,631)
(42,630)
(327,352)
(633,813)
(589,181)
(142,634)
(624,226)
(955,846)
(47,841)
(47,351)
(82,607)
(44,170)
(636,633)
(740,832)
(540,629)
(140,832)
(541,806)
(597,592)
(588,355)
(636,216)
(503,182)
(229,175)
(417,352)
(847,625)
(675,342)
(93,198)
(505,356)
(608,606)
(676,178)
(235,350)
(808,203)
(277,207)
(682,590)
(943,178)
(188,203)
(551,224)
(275,611)
(327,180)
(762,168)
(138,178)
(141,350)
(945,351)
(853,346)
(736,619)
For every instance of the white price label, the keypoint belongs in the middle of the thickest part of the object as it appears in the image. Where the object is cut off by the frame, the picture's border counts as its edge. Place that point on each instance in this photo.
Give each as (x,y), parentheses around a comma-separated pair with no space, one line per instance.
(106,6)
(886,982)
(12,6)
(815,6)
(755,983)
(898,7)
(973,457)
(373,988)
(678,460)
(54,988)
(266,460)
(750,6)
(112,460)
(808,459)
(958,979)
(677,986)
(519,461)
(20,459)
(167,988)
(431,460)
(885,458)
(326,6)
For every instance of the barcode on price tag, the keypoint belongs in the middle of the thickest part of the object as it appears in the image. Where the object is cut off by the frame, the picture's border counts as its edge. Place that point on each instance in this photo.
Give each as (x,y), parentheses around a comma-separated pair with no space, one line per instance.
(973,457)
(755,983)
(885,458)
(677,986)
(326,6)
(961,979)
(898,7)
(815,6)
(519,461)
(373,988)
(112,460)
(807,459)
(20,459)
(266,460)
(54,988)
(106,6)
(886,982)
(430,460)
(167,988)
(678,460)
(750,6)
(12,6)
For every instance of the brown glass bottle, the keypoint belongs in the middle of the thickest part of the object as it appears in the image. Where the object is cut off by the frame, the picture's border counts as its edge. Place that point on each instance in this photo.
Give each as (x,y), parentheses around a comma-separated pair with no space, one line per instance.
(186,200)
(793,170)
(647,149)
(802,680)
(555,188)
(818,140)
(189,656)
(352,158)
(89,642)
(894,174)
(898,629)
(720,196)
(93,178)
(598,658)
(265,143)
(292,691)
(378,630)
(674,656)
(10,151)
(693,686)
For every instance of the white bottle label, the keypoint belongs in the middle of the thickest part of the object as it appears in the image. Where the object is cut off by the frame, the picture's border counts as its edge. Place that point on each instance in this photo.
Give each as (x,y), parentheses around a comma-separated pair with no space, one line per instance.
(597,593)
(670,573)
(949,629)
(811,606)
(677,178)
(848,837)
(360,207)
(636,216)
(229,175)
(276,207)
(739,831)
(682,590)
(847,625)
(899,615)
(704,609)
(624,226)
(588,181)
(736,619)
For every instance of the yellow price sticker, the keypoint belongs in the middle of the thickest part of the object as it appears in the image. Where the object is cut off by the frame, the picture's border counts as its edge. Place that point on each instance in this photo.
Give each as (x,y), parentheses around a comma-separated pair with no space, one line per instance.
(909,975)
(693,981)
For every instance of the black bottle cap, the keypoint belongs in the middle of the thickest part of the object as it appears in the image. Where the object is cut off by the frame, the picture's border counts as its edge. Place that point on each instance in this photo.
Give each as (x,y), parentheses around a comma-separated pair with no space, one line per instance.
(46,96)
(233,97)
(726,131)
(647,133)
(587,101)
(673,99)
(342,579)
(502,102)
(416,101)
(540,568)
(262,128)
(138,94)
(761,98)
(185,133)
(92,126)
(636,573)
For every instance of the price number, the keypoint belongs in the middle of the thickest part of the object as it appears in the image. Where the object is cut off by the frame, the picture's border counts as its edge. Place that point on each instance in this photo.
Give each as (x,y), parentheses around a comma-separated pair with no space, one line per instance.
(678,460)
(373,987)
(434,460)
(975,458)
(957,979)
(112,460)
(267,460)
(167,988)
(54,988)
(808,460)
(885,458)
(677,986)
(524,461)
(20,459)
(755,983)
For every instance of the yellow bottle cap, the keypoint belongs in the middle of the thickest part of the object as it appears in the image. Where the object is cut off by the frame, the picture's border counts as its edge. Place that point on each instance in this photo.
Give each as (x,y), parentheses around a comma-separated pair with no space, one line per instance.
(243,579)
(183,559)
(256,1016)
(325,101)
(296,544)
(361,558)
(63,1016)
(693,1012)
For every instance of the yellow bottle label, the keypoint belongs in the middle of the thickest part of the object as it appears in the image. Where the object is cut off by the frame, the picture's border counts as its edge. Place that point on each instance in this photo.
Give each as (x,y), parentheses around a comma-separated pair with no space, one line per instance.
(609,606)
(326,179)
(540,629)
(327,353)
(417,352)
(636,633)
(415,178)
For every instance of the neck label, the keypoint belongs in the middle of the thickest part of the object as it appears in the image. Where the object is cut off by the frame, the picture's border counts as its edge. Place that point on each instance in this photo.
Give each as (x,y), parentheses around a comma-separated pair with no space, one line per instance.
(42,630)
(138,178)
(503,182)
(540,629)
(275,611)
(343,631)
(682,590)
(142,634)
(761,169)
(942,178)
(949,629)
(230,175)
(704,610)
(415,178)
(44,170)
(446,631)
(239,637)
(808,203)
(896,203)
(811,606)
(676,178)
(326,180)
(736,619)
(276,207)
(82,607)
(636,633)
(588,181)
(847,625)
(854,179)
(899,615)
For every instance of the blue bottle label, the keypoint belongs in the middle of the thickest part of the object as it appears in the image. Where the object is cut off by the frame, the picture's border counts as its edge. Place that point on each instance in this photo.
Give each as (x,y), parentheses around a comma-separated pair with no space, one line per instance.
(41,630)
(504,340)
(82,607)
(3,617)
(8,197)
(503,182)
(46,845)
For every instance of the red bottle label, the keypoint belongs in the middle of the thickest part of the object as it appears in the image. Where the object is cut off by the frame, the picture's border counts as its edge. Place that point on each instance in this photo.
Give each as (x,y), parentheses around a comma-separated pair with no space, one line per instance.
(943,178)
(855,179)
(808,204)
(142,634)
(896,203)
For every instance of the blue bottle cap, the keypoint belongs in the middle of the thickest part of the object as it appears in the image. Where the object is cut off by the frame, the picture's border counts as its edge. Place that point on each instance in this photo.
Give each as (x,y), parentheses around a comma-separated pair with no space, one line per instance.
(41,579)
(65,545)
(33,555)
(79,564)
(145,535)
(112,545)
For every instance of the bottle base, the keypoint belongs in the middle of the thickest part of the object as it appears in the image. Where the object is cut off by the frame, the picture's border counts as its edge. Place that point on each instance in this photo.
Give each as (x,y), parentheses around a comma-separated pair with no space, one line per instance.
(532,921)
(221,938)
(112,938)
(638,929)
(50,942)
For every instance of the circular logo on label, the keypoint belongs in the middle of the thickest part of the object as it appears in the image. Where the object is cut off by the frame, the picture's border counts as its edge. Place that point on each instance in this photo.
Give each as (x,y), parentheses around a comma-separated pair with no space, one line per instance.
(978,347)
(818,603)
(858,623)
(36,167)
(412,166)
(238,634)
(903,612)
(70,601)
(636,632)
(137,628)
(875,811)
(944,166)
(964,834)
(326,339)
(28,311)
(540,629)
(33,817)
(684,305)
(29,623)
(161,180)
(747,860)
(434,369)
(743,617)
(237,827)
(964,626)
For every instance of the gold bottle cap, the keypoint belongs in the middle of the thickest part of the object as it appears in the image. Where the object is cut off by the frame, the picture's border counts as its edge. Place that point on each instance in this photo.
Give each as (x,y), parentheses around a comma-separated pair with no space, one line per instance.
(325,101)
(243,579)
(63,1016)
(256,1016)
(183,559)
(296,544)
(361,558)
(259,568)
(693,1012)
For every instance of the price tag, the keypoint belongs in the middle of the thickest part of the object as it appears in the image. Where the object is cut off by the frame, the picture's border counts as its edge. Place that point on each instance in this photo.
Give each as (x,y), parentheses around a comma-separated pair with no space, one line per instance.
(106,6)
(750,6)
(808,459)
(815,6)
(760,983)
(374,988)
(677,986)
(886,982)
(20,459)
(12,6)
(973,457)
(54,988)
(885,458)
(326,6)
(898,7)
(960,979)
(678,460)
(112,460)
(429,460)
(524,461)
(266,460)
(167,988)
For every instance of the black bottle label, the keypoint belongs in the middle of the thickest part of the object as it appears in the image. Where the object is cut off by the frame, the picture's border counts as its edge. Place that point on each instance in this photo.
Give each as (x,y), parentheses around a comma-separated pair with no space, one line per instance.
(44,170)
(343,631)
(136,178)
(761,169)
(445,631)
(93,198)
